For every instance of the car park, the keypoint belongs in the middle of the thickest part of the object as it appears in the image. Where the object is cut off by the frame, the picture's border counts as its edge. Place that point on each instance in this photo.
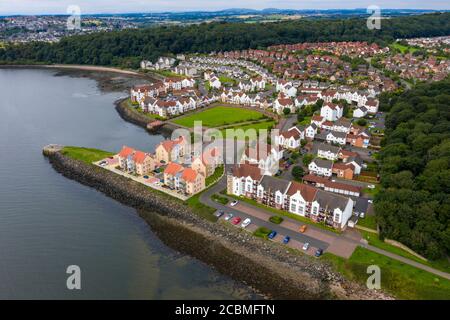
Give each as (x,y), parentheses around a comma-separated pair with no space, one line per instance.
(306,246)
(286,239)
(219,213)
(228,216)
(272,235)
(236,220)
(246,222)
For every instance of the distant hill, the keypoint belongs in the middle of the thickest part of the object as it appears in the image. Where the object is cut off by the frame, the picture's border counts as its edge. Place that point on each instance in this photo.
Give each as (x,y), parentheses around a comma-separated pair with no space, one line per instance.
(126,48)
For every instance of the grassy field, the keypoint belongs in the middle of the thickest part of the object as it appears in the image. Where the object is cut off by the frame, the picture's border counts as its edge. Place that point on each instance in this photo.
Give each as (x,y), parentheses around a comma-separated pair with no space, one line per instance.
(399,279)
(257,126)
(403,49)
(200,209)
(86,154)
(220,116)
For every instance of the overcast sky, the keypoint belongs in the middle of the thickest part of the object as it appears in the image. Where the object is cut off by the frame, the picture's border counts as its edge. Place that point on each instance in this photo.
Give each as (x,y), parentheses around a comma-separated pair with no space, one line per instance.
(124,6)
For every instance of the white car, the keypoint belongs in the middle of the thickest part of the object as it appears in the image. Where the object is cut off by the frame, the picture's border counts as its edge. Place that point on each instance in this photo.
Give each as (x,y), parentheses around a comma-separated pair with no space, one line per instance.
(370,201)
(233,203)
(306,246)
(246,222)
(371,186)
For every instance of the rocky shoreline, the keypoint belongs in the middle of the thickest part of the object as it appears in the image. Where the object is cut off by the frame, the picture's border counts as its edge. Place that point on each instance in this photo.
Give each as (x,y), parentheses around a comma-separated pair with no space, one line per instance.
(263,265)
(139,119)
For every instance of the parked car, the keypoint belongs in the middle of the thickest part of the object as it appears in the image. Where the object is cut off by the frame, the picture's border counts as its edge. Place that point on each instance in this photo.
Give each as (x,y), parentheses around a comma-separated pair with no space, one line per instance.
(286,239)
(145,177)
(246,222)
(318,253)
(306,246)
(370,201)
(233,203)
(236,220)
(272,234)
(228,216)
(219,214)
(302,228)
(371,186)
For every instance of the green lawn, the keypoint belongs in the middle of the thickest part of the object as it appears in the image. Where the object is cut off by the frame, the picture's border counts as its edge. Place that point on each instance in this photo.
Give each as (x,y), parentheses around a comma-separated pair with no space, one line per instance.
(369,221)
(373,240)
(87,155)
(257,126)
(219,199)
(201,209)
(220,116)
(137,109)
(403,49)
(399,279)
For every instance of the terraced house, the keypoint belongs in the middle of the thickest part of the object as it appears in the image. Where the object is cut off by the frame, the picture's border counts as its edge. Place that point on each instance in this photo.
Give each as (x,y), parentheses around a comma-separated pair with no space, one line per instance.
(135,161)
(304,200)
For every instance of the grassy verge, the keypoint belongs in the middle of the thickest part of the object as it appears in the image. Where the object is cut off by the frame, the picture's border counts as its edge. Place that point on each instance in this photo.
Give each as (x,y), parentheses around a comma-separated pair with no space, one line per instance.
(372,192)
(215,176)
(285,214)
(276,219)
(219,199)
(369,221)
(373,240)
(87,155)
(397,278)
(201,209)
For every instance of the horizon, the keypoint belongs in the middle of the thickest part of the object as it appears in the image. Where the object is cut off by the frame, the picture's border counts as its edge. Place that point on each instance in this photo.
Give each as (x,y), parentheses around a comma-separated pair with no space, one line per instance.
(59,7)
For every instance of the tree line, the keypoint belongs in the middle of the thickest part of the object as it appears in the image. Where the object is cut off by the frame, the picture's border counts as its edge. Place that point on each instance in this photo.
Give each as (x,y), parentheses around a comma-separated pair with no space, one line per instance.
(127,48)
(413,206)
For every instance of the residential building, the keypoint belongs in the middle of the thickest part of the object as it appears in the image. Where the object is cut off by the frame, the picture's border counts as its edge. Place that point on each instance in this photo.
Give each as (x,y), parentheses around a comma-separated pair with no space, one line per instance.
(171,150)
(321,167)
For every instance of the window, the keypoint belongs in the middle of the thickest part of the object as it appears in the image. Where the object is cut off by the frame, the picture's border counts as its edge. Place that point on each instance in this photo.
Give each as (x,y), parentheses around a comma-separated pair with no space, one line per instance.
(337,217)
(260,193)
(293,207)
(315,210)
(301,209)
(278,199)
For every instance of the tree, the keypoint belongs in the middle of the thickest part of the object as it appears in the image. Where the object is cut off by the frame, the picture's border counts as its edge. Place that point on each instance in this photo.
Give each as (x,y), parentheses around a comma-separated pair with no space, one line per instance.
(298,173)
(362,122)
(286,111)
(307,158)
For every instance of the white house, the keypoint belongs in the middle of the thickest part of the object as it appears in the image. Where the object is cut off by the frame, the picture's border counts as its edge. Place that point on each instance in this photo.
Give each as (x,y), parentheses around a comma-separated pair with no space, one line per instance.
(360,112)
(331,111)
(264,155)
(290,139)
(243,180)
(328,151)
(337,137)
(321,167)
(311,131)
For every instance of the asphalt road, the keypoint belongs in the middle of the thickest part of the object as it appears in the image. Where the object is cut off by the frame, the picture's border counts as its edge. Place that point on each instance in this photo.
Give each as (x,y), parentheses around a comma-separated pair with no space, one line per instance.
(206,199)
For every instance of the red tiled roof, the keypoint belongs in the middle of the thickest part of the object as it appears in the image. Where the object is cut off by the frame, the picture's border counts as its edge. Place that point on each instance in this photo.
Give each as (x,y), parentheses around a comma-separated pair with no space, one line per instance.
(343,186)
(189,175)
(173,168)
(139,156)
(308,193)
(125,152)
(247,170)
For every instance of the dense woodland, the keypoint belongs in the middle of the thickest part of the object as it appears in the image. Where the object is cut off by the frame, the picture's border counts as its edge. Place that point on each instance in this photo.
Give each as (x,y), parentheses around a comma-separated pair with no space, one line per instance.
(414,205)
(126,48)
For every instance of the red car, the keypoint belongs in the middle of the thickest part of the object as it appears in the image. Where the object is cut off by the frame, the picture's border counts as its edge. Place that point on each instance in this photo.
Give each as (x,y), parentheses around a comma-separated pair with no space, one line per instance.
(236,220)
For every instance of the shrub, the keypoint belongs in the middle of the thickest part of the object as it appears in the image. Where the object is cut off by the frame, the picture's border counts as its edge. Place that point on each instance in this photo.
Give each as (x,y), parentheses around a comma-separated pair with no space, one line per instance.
(276,219)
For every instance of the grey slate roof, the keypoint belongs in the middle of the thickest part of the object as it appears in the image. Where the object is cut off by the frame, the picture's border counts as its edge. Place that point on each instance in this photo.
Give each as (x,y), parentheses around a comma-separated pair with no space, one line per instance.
(328,147)
(330,200)
(274,184)
(323,163)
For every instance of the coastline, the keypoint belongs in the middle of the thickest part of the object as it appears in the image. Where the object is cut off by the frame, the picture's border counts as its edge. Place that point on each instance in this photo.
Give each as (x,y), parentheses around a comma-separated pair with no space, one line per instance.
(281,274)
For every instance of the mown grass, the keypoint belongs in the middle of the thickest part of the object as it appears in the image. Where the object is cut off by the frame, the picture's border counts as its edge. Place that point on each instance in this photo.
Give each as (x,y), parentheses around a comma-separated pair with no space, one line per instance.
(374,240)
(87,155)
(220,116)
(369,221)
(262,232)
(397,278)
(219,199)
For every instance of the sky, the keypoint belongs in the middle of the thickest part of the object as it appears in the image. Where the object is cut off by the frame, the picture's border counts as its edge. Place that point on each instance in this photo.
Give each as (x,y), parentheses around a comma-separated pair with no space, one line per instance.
(8,7)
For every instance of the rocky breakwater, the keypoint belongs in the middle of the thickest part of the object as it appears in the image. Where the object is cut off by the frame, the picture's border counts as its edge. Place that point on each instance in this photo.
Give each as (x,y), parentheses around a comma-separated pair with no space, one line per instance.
(265,266)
